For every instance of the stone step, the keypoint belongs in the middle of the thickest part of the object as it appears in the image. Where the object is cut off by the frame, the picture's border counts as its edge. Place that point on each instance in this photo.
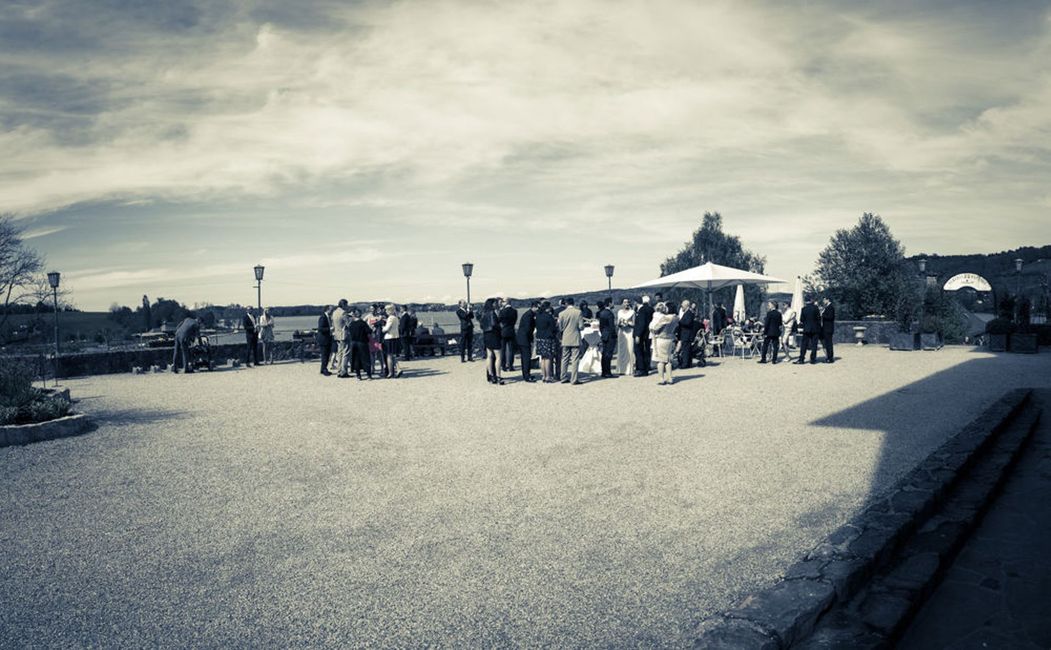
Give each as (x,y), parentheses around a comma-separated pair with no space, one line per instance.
(827,581)
(880,611)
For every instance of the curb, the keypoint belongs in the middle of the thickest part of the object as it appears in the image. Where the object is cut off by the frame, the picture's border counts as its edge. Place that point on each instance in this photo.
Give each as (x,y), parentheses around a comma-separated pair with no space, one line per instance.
(836,569)
(64,427)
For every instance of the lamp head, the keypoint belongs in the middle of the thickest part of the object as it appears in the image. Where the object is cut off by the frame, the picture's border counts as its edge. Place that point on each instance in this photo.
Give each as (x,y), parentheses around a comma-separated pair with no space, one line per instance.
(923,265)
(259,272)
(468,268)
(1018,265)
(609,270)
(53,279)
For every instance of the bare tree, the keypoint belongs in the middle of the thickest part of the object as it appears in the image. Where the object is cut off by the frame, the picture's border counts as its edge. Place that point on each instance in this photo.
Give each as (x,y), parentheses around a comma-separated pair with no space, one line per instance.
(20,268)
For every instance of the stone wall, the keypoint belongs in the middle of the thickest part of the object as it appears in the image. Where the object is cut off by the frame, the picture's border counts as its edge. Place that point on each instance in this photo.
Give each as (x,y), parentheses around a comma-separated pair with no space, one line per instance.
(117,361)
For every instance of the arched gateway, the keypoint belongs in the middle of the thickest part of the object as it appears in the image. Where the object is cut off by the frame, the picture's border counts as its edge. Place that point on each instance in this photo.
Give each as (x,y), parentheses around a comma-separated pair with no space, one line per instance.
(973,291)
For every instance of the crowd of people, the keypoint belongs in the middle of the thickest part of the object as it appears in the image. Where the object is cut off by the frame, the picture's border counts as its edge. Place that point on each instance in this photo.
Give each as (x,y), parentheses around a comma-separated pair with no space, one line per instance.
(634,338)
(639,337)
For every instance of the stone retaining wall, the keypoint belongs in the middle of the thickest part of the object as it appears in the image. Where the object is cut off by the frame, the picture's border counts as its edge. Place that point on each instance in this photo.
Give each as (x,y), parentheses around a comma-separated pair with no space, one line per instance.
(118,361)
(832,572)
(23,434)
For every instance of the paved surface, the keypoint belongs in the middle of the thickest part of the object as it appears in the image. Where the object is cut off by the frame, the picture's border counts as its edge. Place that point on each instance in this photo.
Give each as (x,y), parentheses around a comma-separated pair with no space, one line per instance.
(997,594)
(275,507)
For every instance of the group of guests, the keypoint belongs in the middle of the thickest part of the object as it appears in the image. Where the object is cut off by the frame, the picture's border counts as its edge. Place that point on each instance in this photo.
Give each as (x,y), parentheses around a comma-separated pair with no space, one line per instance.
(635,336)
(258,329)
(353,341)
(640,337)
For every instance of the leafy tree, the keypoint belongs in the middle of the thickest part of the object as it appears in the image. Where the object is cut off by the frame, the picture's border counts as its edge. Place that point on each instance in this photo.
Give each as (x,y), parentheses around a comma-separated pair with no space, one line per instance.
(710,244)
(20,268)
(863,269)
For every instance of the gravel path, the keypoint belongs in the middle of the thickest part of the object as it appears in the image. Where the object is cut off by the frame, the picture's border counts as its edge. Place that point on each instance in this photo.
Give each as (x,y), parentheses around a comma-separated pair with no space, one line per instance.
(275,507)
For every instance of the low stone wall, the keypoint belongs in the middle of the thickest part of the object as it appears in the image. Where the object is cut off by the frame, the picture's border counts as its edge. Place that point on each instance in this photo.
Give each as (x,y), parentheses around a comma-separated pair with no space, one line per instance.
(23,434)
(782,614)
(877,332)
(118,361)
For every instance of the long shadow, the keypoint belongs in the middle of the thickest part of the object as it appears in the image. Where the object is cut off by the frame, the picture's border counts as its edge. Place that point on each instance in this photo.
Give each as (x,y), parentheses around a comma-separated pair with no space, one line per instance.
(905,414)
(135,416)
(415,373)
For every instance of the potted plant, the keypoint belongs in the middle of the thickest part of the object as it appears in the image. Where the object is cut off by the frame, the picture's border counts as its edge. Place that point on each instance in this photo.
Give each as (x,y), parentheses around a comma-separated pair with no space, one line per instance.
(999,331)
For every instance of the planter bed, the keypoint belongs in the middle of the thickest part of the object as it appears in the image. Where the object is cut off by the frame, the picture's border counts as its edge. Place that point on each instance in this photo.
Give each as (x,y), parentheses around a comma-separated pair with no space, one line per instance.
(64,427)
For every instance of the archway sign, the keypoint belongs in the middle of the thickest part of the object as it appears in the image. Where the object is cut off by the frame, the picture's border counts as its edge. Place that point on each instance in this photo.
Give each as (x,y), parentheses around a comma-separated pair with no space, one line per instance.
(973,280)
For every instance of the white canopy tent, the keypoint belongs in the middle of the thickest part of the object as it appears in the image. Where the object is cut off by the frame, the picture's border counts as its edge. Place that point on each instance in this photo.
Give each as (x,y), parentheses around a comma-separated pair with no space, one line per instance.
(797,296)
(739,311)
(708,277)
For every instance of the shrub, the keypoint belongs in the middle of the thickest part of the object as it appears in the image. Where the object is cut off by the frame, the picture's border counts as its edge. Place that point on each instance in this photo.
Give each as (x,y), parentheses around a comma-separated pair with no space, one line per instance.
(8,414)
(1043,333)
(46,408)
(16,383)
(1000,326)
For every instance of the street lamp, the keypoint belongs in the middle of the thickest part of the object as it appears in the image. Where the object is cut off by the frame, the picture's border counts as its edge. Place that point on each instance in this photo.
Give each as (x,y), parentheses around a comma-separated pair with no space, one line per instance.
(922,262)
(259,268)
(609,281)
(468,268)
(53,278)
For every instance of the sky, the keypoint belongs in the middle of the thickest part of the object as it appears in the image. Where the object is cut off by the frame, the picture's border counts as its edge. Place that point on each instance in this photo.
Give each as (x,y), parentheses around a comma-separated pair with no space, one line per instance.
(365,150)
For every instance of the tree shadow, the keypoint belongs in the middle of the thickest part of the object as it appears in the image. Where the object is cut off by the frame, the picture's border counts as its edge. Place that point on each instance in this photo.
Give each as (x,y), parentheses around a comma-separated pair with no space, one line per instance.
(119,417)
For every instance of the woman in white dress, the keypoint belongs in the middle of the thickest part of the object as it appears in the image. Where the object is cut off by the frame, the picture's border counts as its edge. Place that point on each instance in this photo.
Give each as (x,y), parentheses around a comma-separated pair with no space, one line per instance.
(625,340)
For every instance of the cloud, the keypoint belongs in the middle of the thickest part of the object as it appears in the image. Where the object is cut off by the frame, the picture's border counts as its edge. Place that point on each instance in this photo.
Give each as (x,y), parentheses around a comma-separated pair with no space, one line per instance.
(558,121)
(42,232)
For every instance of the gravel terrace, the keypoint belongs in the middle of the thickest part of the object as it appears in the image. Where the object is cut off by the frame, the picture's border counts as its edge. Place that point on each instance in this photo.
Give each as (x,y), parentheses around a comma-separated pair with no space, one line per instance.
(275,507)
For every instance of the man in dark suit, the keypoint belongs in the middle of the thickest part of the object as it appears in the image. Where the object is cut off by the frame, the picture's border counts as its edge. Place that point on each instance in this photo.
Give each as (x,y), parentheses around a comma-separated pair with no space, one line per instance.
(466,317)
(828,329)
(358,335)
(414,325)
(508,317)
(686,333)
(324,338)
(251,338)
(405,331)
(607,329)
(641,333)
(558,340)
(810,321)
(772,332)
(524,339)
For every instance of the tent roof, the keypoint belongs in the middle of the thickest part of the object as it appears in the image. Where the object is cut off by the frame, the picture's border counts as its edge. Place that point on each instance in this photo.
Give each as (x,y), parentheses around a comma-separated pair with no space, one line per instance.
(708,276)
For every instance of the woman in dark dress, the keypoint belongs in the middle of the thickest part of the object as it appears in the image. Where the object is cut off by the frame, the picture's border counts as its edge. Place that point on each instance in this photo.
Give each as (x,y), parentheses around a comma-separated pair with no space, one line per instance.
(546,331)
(491,337)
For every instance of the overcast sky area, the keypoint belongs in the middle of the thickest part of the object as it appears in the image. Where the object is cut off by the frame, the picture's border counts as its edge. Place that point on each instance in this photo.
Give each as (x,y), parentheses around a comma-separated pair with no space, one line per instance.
(366,150)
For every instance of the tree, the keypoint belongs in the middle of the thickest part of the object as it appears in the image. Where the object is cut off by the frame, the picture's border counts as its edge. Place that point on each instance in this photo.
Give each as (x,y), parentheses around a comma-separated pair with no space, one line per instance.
(710,244)
(20,268)
(863,269)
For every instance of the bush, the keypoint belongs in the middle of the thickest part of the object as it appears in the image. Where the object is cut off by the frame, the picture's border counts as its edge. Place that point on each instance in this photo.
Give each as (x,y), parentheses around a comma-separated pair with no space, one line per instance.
(1043,333)
(8,414)
(16,383)
(46,408)
(1000,326)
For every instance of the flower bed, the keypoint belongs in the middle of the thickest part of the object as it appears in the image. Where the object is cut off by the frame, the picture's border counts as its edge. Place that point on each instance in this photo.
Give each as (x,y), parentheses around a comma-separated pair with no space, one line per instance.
(22,403)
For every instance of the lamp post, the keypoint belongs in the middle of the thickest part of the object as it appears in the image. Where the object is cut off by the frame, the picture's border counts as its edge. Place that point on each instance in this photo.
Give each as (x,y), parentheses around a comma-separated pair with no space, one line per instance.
(468,268)
(923,290)
(609,281)
(259,268)
(53,278)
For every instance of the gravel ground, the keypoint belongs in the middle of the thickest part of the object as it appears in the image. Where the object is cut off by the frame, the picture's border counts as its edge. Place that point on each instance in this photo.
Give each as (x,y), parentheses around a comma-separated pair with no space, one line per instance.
(275,507)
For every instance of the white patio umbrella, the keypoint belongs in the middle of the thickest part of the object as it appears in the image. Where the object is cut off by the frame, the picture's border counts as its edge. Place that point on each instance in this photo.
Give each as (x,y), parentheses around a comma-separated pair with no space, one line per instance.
(708,277)
(739,311)
(797,296)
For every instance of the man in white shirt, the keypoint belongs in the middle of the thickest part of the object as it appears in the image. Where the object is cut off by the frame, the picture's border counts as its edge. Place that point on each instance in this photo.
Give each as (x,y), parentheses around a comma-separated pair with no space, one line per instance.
(788,317)
(339,332)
